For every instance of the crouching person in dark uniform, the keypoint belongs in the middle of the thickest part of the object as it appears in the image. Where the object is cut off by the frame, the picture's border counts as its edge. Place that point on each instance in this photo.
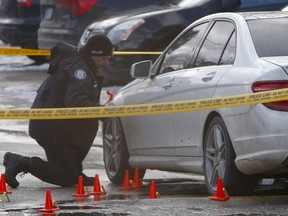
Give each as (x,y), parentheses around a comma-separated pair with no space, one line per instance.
(74,81)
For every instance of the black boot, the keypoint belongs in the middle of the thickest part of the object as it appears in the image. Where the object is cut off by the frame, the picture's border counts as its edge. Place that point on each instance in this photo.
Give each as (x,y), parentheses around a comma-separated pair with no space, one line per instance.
(88,181)
(14,164)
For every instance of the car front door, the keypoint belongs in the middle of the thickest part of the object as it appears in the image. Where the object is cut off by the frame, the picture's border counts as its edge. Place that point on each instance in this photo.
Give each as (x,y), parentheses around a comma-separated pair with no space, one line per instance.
(155,134)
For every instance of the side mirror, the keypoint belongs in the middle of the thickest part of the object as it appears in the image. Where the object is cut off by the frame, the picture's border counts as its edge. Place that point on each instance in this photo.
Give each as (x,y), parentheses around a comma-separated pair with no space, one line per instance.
(141,69)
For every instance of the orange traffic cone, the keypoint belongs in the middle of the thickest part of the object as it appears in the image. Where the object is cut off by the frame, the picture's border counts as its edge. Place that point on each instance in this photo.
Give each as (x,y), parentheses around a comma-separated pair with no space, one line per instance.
(80,189)
(137,182)
(48,203)
(97,198)
(220,195)
(153,191)
(126,184)
(3,185)
(97,187)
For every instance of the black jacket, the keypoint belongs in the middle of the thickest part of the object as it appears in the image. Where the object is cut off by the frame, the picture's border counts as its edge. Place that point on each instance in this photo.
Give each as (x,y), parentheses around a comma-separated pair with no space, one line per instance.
(73,82)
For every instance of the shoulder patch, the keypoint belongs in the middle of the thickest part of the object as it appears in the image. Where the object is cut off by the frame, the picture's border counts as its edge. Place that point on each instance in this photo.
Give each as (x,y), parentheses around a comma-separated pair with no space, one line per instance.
(80,74)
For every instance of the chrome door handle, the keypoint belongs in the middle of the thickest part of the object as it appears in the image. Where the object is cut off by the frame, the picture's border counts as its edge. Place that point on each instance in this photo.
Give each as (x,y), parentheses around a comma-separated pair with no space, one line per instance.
(168,85)
(209,76)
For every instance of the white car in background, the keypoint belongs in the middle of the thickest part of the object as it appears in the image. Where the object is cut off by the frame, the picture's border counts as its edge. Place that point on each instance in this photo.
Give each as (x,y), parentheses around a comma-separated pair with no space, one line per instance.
(219,55)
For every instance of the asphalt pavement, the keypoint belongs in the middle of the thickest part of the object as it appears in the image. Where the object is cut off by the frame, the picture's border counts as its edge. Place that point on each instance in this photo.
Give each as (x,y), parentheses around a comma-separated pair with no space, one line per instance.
(179,193)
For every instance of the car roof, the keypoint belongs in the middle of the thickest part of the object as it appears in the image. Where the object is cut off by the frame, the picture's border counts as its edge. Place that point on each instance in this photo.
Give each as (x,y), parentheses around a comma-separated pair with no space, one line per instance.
(263,15)
(247,15)
(242,17)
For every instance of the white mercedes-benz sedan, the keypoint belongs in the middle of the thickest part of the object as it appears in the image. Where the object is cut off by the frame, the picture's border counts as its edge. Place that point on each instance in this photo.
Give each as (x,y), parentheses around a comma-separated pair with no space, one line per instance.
(219,55)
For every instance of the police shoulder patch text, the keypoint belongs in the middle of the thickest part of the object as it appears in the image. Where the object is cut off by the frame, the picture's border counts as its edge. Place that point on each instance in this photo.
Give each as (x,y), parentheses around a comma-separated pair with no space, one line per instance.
(80,74)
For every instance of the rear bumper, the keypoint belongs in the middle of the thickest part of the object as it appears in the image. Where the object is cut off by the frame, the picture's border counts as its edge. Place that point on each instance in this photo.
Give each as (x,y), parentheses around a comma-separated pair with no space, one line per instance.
(260,140)
(267,161)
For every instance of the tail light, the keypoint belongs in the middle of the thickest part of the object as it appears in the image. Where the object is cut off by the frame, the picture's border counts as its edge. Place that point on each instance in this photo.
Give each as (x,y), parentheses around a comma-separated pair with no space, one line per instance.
(24,3)
(78,7)
(262,86)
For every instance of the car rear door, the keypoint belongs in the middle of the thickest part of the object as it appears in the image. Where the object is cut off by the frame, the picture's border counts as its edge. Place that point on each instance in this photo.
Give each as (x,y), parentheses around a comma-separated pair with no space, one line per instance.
(214,58)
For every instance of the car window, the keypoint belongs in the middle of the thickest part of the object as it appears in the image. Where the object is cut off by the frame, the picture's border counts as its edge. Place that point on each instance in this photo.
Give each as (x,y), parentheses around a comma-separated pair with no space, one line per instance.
(214,44)
(229,52)
(275,42)
(249,3)
(179,55)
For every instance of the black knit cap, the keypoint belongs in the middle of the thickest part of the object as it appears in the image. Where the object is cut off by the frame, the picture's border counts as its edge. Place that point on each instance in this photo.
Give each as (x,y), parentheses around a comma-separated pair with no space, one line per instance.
(98,45)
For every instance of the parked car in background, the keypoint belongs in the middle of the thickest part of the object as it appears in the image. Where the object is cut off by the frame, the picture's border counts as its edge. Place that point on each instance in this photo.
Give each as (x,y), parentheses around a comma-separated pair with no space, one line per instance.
(153,31)
(285,8)
(65,20)
(222,54)
(19,22)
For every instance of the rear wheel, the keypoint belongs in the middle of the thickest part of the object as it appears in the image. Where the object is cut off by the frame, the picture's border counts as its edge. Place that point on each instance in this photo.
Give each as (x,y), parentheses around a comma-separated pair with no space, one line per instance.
(219,157)
(115,151)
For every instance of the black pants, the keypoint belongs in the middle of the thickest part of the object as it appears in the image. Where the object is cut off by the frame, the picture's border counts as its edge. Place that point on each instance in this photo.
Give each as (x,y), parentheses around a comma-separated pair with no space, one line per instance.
(64,164)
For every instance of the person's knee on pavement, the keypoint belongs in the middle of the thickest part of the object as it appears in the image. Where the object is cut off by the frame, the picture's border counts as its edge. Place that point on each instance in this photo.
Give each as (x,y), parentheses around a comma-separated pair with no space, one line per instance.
(70,181)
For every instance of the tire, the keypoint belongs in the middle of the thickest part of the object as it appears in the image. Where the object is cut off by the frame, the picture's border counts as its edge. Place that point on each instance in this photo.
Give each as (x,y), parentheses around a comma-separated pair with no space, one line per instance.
(219,157)
(115,152)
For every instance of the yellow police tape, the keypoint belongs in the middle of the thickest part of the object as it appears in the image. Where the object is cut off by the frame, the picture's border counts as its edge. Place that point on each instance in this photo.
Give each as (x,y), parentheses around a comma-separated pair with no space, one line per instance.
(146,109)
(28,52)
(35,52)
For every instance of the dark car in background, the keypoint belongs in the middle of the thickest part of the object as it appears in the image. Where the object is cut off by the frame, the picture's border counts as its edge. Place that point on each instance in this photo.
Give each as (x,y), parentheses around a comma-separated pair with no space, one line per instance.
(65,20)
(19,22)
(153,31)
